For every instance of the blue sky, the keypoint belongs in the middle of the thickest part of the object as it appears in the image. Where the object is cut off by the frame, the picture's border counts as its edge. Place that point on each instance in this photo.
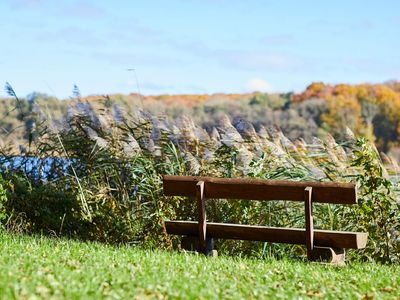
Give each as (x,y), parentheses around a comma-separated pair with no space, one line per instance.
(195,46)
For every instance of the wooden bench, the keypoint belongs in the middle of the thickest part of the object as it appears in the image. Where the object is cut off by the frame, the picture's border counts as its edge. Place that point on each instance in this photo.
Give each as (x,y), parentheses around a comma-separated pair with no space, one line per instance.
(319,243)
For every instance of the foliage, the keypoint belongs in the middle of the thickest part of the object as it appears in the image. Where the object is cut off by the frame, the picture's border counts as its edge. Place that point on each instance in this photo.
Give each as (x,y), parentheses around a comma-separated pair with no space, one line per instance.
(368,109)
(97,174)
(3,199)
(371,110)
(378,211)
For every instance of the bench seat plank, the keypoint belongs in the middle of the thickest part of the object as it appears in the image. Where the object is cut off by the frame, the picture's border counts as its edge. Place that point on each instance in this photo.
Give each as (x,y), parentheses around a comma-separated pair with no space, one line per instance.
(322,238)
(259,189)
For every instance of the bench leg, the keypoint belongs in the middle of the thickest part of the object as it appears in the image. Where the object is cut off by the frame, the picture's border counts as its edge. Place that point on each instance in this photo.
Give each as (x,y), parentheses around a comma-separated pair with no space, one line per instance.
(189,243)
(330,255)
(210,251)
(192,244)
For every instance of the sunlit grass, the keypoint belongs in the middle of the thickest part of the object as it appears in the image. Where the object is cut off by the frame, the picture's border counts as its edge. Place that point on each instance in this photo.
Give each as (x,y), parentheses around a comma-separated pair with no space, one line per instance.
(38,267)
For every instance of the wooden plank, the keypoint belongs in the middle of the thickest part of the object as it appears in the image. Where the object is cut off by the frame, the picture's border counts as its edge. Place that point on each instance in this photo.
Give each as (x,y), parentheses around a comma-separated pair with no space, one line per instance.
(309,221)
(322,238)
(333,256)
(258,189)
(201,211)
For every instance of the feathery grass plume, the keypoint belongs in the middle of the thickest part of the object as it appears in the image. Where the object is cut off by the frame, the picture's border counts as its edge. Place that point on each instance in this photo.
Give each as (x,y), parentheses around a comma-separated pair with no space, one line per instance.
(336,148)
(326,160)
(131,146)
(215,135)
(317,144)
(142,115)
(329,148)
(274,141)
(202,135)
(286,143)
(102,143)
(317,150)
(151,147)
(118,114)
(330,142)
(262,132)
(186,128)
(274,149)
(301,146)
(71,113)
(159,129)
(245,129)
(76,93)
(85,109)
(161,123)
(155,133)
(244,158)
(228,133)
(349,134)
(38,112)
(10,91)
(273,133)
(194,166)
(90,132)
(392,167)
(173,136)
(209,155)
(276,144)
(317,172)
(231,137)
(263,140)
(301,152)
(187,138)
(286,149)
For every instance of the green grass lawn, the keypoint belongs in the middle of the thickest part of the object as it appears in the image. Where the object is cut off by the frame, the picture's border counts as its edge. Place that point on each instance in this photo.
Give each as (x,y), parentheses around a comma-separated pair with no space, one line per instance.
(38,267)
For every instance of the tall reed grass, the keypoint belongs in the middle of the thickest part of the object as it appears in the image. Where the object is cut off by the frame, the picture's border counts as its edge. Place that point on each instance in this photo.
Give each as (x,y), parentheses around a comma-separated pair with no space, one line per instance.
(97,175)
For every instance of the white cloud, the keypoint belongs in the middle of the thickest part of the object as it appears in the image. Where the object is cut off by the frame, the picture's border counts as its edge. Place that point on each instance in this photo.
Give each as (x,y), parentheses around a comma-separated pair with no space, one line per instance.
(258,85)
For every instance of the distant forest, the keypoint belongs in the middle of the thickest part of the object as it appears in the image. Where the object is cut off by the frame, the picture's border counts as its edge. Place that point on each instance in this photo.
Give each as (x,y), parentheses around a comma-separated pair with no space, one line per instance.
(372,110)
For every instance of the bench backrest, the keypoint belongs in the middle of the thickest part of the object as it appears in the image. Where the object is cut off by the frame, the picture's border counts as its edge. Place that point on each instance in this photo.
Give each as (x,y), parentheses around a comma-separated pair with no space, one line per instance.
(258,189)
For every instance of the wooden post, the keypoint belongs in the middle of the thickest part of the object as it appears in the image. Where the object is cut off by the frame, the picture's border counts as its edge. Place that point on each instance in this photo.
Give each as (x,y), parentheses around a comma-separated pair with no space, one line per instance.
(309,221)
(201,210)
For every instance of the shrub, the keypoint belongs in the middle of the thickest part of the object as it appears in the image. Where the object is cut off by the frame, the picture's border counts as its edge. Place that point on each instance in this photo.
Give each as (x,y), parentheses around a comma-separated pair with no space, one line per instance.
(378,211)
(3,199)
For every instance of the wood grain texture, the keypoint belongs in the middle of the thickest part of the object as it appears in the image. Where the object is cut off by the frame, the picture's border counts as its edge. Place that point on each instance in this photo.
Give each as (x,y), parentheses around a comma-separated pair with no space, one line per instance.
(322,238)
(258,189)
(201,212)
(309,220)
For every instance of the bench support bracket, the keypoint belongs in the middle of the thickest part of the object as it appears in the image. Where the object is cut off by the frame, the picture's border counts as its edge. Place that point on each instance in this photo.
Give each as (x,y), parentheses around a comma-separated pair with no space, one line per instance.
(309,221)
(201,210)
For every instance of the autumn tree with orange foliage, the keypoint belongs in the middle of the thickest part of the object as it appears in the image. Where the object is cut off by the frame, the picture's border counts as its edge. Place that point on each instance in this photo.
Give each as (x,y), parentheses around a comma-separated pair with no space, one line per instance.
(372,110)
